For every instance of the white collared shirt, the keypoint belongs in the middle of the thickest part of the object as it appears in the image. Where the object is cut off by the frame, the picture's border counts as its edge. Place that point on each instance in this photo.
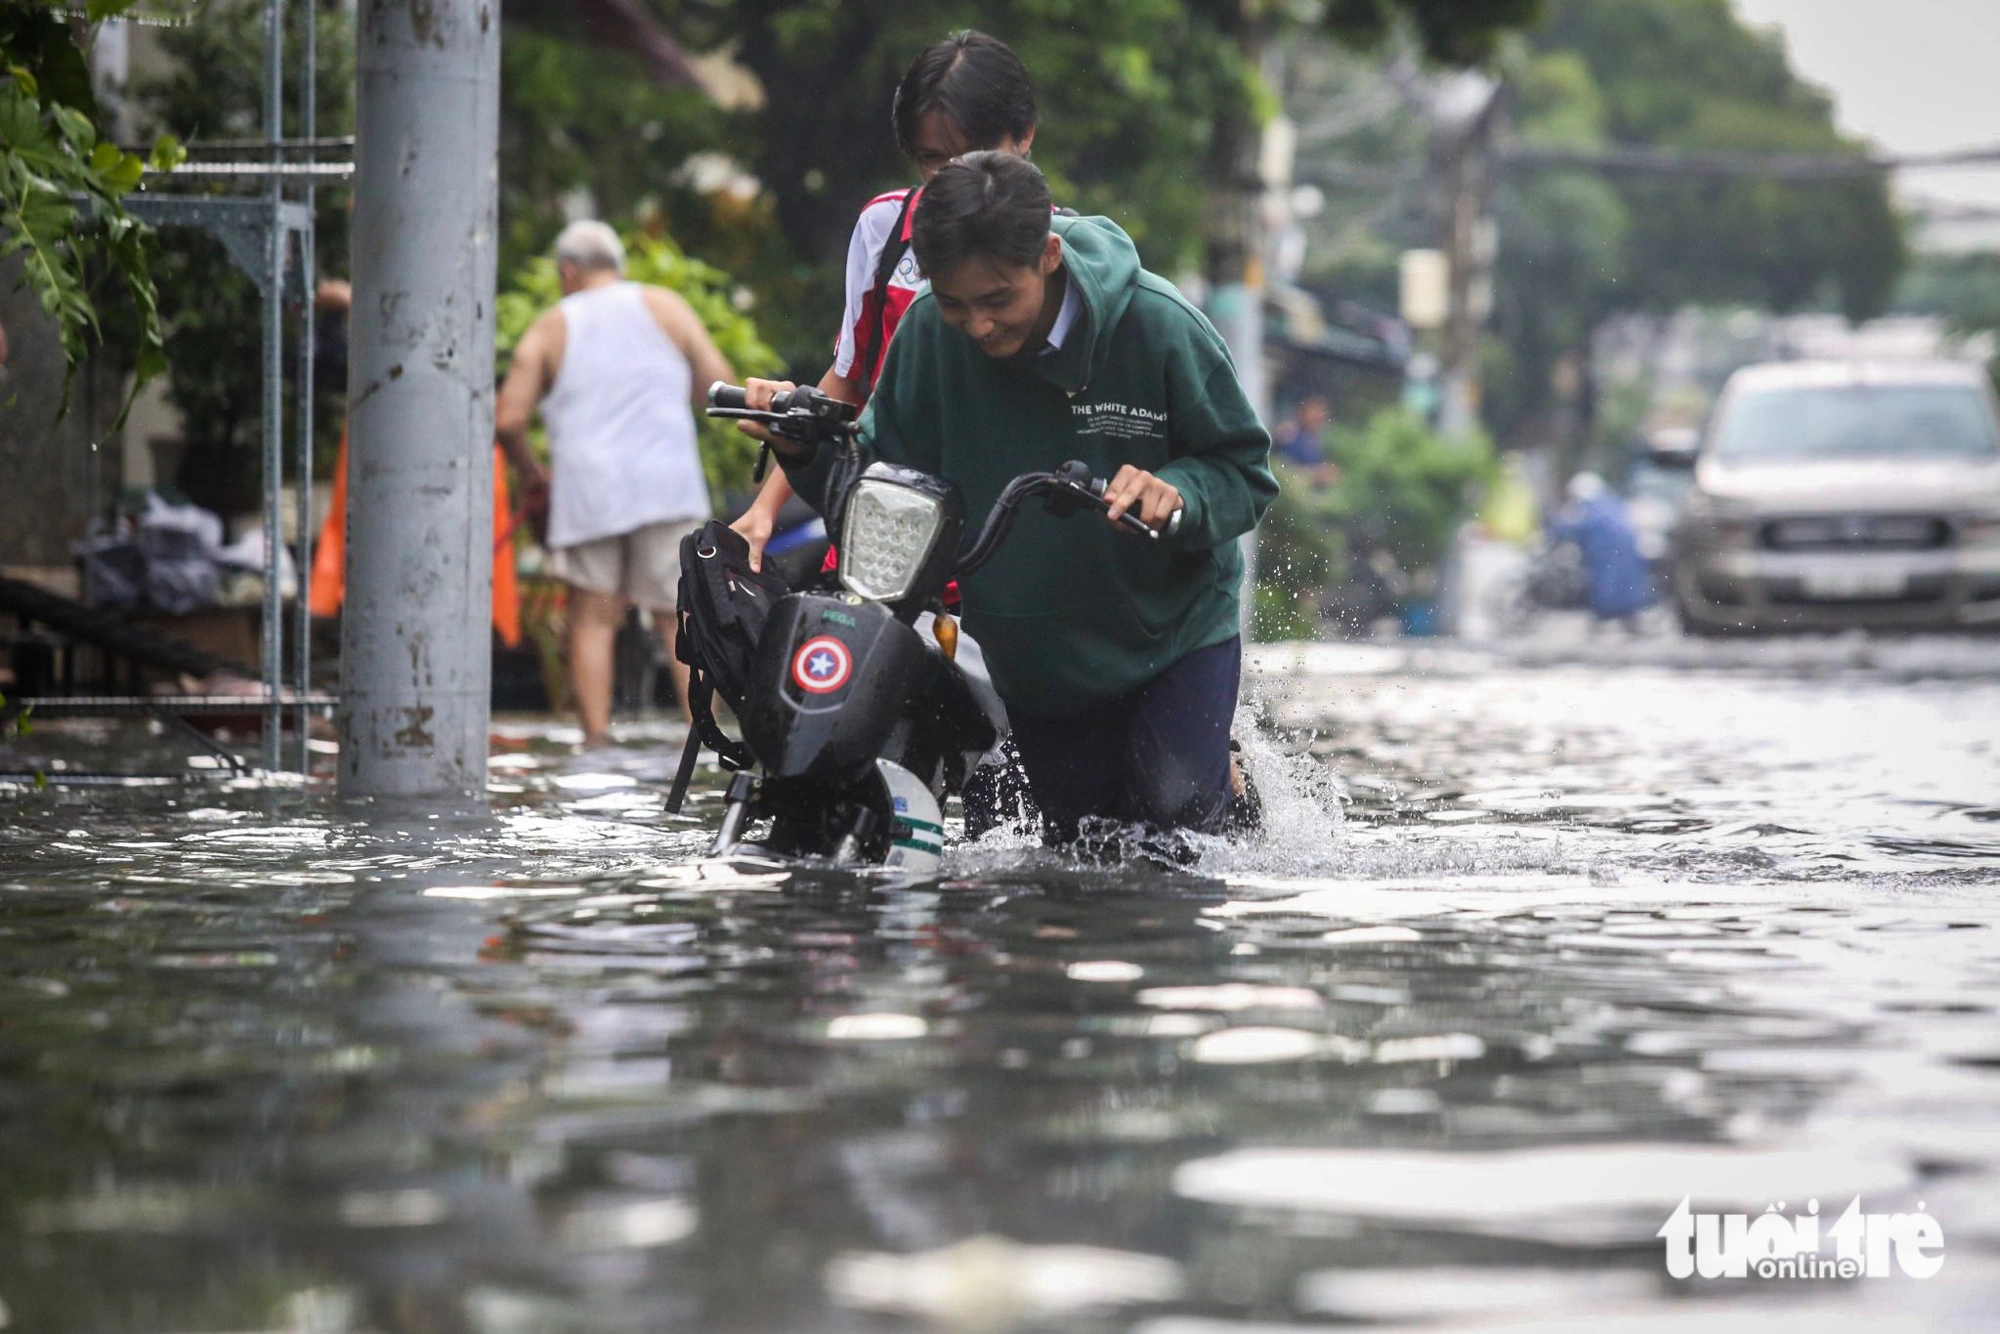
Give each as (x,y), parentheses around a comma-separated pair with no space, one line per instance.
(1072,306)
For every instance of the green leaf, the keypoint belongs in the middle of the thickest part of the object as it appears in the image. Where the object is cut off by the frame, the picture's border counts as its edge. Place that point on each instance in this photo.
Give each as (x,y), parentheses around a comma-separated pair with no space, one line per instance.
(75,127)
(167,153)
(50,155)
(123,177)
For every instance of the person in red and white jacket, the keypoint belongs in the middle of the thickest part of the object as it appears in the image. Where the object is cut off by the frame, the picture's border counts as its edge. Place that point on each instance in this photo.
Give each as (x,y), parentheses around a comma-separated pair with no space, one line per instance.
(965,93)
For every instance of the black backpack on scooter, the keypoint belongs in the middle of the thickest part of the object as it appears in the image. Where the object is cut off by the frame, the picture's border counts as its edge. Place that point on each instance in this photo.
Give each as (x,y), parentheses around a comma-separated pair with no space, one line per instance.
(722,607)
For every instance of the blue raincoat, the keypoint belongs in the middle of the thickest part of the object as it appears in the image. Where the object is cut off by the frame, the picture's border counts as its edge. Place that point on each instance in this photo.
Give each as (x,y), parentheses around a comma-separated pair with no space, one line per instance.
(1620,583)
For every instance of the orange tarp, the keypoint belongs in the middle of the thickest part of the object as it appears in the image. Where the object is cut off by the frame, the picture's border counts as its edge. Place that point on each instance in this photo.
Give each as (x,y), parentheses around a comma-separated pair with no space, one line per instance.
(329,569)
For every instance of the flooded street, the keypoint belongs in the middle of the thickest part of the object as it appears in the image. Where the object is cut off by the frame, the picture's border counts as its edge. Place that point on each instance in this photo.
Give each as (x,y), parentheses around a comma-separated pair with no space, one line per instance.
(1534,946)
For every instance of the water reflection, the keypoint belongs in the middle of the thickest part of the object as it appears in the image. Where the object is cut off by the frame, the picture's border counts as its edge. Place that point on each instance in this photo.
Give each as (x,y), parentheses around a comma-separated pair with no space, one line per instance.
(279,1067)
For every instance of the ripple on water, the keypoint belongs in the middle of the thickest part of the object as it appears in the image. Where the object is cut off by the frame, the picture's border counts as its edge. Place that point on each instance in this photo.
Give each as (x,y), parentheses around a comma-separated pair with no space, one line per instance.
(1441,1292)
(993,1283)
(1583,1195)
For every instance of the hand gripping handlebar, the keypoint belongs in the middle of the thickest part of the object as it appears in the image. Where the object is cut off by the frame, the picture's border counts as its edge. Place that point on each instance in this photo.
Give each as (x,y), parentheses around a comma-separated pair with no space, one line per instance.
(803,416)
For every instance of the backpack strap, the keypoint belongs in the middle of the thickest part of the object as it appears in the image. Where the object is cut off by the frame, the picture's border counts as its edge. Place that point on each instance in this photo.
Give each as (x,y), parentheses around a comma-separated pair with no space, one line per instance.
(690,755)
(894,247)
(704,730)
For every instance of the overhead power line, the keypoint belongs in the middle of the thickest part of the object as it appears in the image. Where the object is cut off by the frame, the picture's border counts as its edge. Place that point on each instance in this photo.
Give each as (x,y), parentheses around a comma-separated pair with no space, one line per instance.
(1786,166)
(1665,162)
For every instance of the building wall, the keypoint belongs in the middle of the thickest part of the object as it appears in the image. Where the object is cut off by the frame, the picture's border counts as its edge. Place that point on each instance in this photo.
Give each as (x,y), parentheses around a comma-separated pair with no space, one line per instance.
(52,479)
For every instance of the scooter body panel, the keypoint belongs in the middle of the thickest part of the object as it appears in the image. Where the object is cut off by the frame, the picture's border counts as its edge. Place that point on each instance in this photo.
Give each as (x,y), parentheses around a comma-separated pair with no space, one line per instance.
(831,678)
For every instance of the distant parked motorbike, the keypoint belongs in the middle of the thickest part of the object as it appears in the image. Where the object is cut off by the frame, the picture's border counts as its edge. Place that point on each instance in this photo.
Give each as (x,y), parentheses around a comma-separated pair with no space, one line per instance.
(1553,580)
(864,707)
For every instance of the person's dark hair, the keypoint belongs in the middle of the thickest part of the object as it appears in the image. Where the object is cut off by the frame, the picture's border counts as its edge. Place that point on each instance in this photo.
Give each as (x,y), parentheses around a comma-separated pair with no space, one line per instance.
(975,80)
(992,206)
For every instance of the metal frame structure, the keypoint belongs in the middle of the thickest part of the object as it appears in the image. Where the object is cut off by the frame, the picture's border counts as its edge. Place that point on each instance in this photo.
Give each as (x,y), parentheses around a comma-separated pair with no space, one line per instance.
(270,237)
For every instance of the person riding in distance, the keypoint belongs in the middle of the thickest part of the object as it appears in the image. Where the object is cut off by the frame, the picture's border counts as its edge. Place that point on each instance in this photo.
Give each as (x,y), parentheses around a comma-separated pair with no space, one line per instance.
(1040,340)
(969,91)
(1618,584)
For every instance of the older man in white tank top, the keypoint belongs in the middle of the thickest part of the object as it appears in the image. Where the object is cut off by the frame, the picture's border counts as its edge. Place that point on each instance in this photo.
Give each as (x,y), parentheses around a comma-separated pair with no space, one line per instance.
(615,367)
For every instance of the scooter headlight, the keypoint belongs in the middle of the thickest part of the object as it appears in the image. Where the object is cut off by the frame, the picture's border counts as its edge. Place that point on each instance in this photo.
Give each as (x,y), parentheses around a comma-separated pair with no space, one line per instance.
(887,539)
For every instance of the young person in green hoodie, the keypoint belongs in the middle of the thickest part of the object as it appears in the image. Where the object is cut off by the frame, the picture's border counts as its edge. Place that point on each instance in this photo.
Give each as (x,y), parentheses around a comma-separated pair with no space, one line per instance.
(1041,340)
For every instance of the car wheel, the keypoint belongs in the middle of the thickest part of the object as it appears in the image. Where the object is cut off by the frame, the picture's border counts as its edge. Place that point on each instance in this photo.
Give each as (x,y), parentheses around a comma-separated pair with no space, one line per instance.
(1698,627)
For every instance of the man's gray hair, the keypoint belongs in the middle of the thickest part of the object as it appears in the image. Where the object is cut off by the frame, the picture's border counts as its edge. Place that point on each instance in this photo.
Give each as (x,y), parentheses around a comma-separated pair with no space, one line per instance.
(591,245)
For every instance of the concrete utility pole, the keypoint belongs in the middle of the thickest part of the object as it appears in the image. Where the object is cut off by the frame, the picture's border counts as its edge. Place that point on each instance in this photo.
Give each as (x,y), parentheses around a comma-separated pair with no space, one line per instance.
(1468,245)
(415,661)
(1235,239)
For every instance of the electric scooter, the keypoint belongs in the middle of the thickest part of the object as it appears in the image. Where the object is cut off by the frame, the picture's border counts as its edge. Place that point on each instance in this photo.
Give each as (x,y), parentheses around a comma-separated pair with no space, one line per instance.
(866,707)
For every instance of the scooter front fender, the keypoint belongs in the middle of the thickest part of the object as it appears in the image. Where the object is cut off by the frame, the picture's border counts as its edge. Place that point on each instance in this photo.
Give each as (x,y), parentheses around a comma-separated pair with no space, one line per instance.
(916,827)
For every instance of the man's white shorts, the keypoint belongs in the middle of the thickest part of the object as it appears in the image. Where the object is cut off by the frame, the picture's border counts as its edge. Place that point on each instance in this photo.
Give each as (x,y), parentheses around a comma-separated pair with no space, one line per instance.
(643,566)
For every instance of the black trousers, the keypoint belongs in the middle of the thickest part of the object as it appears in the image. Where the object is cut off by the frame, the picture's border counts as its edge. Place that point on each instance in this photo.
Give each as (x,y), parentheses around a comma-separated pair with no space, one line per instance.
(1157,756)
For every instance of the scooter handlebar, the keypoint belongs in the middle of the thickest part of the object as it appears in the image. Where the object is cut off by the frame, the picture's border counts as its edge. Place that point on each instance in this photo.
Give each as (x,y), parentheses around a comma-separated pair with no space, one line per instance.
(1066,489)
(1096,486)
(800,401)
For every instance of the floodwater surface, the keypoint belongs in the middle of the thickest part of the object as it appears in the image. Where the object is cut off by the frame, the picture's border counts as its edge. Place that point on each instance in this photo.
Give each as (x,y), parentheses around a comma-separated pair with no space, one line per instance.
(1530,951)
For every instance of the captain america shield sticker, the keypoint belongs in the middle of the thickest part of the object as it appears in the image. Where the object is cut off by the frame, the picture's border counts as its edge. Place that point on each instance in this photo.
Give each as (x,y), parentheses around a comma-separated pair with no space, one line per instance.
(822,665)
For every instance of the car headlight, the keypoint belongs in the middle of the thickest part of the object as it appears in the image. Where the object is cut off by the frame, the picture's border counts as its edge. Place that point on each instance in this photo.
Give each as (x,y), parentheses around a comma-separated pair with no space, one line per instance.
(1727,521)
(1979,530)
(886,538)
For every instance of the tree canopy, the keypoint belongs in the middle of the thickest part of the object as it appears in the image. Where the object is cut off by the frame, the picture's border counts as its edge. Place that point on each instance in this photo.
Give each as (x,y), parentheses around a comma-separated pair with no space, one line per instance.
(1963,289)
(61,183)
(1578,247)
(1689,74)
(1140,100)
(1132,94)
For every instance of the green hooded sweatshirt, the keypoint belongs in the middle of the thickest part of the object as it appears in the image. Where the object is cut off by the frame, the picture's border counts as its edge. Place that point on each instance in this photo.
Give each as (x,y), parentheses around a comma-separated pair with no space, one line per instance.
(1073,612)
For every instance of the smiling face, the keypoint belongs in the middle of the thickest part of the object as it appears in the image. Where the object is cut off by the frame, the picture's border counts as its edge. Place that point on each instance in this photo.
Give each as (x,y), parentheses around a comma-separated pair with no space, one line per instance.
(939,139)
(1005,308)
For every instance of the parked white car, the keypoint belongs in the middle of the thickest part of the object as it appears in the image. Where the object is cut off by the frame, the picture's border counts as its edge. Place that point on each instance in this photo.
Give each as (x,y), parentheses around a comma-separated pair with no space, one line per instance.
(1835,494)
